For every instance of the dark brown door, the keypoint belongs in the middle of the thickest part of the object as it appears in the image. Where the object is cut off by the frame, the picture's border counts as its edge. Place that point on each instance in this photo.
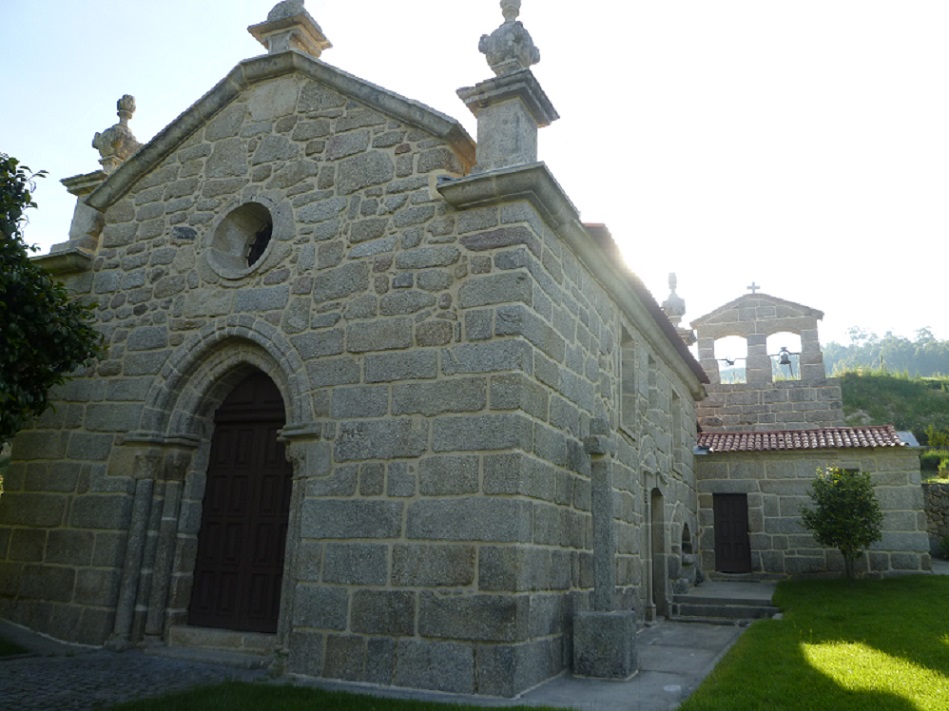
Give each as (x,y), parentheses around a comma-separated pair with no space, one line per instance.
(239,566)
(732,546)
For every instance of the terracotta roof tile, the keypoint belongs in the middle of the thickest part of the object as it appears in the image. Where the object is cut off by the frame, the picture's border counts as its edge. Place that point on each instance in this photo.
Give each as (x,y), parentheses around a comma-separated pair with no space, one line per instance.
(785,440)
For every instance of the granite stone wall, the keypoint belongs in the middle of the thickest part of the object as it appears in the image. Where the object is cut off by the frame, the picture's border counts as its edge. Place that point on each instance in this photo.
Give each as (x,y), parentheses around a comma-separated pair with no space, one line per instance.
(936,498)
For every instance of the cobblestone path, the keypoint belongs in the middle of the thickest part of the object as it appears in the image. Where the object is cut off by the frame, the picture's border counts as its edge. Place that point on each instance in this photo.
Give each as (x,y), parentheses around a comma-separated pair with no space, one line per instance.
(100,678)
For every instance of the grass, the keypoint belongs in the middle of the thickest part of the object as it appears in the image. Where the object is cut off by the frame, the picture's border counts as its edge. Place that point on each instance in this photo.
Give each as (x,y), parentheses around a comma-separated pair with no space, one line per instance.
(880,645)
(240,696)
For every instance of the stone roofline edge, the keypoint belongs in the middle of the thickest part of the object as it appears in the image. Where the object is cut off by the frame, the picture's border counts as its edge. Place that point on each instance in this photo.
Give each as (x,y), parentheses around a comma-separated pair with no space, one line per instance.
(536,184)
(270,66)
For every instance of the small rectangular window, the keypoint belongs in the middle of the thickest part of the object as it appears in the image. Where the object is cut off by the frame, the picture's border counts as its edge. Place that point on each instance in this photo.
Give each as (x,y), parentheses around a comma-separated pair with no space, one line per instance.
(628,383)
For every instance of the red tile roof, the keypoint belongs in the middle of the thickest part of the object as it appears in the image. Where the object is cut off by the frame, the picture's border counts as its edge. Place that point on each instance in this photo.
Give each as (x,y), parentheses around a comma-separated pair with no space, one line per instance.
(784,440)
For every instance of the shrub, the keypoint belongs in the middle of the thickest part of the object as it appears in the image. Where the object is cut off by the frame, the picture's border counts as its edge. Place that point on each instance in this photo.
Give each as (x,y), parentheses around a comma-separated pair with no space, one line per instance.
(847,513)
(934,459)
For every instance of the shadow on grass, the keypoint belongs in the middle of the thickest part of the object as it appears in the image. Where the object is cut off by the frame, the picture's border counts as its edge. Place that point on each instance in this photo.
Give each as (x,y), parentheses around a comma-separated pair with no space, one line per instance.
(8,649)
(881,645)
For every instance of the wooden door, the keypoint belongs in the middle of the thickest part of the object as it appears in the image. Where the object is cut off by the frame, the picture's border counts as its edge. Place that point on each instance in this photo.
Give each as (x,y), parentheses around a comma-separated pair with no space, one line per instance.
(732,545)
(239,567)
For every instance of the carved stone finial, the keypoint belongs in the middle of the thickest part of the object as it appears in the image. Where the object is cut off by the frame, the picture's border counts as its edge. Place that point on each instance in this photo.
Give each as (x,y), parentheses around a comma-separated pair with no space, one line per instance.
(117,143)
(289,26)
(510,47)
(674,306)
(287,8)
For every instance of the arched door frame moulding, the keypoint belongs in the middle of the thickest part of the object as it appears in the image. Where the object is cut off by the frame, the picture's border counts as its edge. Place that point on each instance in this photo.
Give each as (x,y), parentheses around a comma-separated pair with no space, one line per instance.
(170,453)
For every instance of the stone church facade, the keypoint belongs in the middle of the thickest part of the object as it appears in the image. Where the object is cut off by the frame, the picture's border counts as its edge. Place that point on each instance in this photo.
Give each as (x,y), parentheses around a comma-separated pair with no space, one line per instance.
(374,400)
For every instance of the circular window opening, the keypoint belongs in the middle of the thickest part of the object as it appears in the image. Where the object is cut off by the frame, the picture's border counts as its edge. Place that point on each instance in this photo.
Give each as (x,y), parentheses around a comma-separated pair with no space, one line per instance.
(241,239)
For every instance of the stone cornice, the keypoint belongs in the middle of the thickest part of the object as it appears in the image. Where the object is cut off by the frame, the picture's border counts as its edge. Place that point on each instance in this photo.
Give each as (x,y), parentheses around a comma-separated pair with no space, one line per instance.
(67,261)
(520,85)
(259,69)
(535,184)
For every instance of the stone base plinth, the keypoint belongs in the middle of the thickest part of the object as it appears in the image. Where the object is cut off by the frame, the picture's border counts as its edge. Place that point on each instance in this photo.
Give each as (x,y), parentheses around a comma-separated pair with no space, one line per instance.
(604,645)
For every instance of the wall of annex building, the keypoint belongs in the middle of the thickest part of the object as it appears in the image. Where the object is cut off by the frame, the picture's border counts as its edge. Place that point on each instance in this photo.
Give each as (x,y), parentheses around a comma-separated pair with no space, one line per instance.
(777,484)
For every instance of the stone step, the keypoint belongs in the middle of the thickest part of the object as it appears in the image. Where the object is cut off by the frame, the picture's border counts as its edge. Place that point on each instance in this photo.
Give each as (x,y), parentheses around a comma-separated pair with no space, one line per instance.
(697,598)
(722,610)
(224,657)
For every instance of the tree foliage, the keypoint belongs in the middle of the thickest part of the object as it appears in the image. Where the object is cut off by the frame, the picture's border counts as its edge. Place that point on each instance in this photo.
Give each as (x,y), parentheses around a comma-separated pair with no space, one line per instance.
(846,513)
(925,356)
(917,404)
(44,335)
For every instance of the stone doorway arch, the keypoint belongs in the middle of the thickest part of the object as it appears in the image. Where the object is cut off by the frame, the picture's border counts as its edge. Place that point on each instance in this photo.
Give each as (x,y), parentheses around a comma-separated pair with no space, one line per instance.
(167,459)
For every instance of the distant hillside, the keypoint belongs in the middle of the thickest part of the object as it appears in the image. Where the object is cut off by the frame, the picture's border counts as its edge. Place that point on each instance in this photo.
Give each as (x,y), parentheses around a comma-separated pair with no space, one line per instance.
(924,357)
(915,404)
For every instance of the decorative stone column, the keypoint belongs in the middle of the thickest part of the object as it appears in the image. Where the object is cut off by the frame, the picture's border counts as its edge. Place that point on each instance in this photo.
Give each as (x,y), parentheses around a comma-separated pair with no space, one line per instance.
(604,639)
(511,106)
(176,465)
(146,467)
(311,457)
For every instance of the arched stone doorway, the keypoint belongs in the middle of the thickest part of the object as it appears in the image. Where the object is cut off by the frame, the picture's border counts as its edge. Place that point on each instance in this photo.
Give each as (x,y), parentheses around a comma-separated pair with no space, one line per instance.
(245,511)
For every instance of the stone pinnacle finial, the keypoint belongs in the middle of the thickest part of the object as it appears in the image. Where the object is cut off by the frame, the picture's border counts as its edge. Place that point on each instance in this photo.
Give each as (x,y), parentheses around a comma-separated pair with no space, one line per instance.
(287,8)
(674,305)
(674,308)
(116,144)
(510,47)
(289,26)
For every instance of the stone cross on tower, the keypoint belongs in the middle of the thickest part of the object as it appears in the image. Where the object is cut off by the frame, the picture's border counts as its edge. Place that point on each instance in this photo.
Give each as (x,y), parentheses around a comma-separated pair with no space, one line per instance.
(753,288)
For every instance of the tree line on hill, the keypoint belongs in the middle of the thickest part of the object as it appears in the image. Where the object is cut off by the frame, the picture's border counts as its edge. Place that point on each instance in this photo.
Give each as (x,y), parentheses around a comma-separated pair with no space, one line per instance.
(924,357)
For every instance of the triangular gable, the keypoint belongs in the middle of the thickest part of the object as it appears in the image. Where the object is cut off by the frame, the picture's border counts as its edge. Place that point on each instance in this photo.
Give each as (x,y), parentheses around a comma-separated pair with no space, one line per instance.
(783,309)
(259,69)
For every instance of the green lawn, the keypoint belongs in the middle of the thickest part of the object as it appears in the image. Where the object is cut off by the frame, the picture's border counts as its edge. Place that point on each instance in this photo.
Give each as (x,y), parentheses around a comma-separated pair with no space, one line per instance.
(879,645)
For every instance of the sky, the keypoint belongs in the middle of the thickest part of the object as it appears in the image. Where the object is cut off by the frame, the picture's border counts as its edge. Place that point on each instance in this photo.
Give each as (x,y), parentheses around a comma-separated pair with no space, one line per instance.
(802,147)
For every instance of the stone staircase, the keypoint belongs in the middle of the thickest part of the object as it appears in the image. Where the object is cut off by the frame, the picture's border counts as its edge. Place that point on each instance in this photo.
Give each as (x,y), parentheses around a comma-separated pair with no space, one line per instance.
(725,602)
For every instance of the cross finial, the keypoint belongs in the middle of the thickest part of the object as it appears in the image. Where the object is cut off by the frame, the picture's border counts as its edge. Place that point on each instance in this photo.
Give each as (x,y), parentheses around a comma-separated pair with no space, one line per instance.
(753,288)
